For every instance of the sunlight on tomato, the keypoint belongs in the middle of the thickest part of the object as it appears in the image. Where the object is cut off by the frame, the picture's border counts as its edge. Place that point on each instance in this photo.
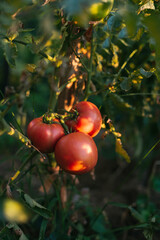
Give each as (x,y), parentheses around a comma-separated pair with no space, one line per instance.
(77,166)
(76,153)
(87,148)
(89,119)
(14,211)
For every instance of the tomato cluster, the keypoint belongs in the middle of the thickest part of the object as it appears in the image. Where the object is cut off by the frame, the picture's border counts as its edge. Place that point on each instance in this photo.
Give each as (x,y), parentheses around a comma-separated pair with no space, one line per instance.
(75,152)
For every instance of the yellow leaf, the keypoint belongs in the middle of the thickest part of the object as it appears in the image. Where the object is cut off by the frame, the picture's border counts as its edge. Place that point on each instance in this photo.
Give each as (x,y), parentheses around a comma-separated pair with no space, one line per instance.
(15,175)
(31,67)
(121,151)
(11,132)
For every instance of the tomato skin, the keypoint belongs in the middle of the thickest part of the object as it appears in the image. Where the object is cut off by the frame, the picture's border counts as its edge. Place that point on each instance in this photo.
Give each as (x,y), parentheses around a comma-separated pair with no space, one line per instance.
(44,136)
(89,119)
(76,153)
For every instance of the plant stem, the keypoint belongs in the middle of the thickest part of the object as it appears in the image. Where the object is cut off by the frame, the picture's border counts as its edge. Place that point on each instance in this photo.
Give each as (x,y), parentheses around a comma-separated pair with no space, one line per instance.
(6,128)
(33,154)
(43,185)
(89,72)
(125,63)
(6,110)
(85,67)
(42,53)
(52,100)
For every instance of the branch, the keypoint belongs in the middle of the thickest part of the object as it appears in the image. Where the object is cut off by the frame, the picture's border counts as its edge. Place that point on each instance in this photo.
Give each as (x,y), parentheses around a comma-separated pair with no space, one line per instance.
(80,59)
(89,71)
(125,63)
(6,128)
(42,53)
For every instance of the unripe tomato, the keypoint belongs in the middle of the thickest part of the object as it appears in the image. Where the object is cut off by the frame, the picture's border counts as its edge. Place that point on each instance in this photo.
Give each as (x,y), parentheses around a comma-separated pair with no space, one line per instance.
(100,9)
(44,136)
(95,12)
(76,153)
(89,119)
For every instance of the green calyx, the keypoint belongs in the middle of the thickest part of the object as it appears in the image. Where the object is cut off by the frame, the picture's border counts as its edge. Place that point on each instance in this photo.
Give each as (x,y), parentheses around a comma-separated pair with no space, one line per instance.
(72,115)
(49,118)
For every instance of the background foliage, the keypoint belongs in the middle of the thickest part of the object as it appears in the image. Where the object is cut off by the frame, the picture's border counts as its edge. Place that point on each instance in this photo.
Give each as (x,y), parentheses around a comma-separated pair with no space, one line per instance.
(37,38)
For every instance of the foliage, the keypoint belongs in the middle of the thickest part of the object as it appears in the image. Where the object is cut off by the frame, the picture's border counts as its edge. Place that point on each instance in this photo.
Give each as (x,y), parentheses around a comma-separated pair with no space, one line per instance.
(49,61)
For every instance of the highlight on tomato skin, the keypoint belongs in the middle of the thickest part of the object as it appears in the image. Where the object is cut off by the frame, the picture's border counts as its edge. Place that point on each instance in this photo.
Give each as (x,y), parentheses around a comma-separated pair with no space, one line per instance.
(76,153)
(89,119)
(44,136)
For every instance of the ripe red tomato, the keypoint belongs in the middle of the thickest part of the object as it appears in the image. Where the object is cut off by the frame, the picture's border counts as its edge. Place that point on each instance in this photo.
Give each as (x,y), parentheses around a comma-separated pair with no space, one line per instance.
(44,136)
(76,153)
(89,119)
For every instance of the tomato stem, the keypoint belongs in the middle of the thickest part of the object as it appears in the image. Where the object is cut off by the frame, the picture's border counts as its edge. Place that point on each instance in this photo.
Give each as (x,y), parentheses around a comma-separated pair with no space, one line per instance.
(72,115)
(49,118)
(53,82)
(88,83)
(61,118)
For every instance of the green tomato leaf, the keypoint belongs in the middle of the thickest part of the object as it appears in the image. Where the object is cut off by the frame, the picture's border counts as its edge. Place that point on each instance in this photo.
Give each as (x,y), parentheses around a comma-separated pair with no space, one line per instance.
(156,184)
(136,214)
(34,206)
(126,84)
(23,237)
(119,102)
(145,73)
(148,234)
(10,52)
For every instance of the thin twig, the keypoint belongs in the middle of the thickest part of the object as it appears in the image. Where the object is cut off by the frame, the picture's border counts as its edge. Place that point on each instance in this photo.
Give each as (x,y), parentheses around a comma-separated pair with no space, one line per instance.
(42,53)
(80,59)
(125,63)
(89,72)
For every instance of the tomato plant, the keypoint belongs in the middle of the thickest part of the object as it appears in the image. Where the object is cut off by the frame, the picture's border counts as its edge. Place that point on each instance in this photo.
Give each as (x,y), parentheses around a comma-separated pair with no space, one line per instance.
(88,119)
(94,12)
(100,9)
(76,153)
(44,136)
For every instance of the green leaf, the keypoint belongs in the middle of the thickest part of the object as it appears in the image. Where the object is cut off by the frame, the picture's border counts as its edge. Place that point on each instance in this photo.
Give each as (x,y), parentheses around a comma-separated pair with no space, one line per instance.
(131,20)
(45,221)
(156,184)
(23,237)
(136,214)
(32,202)
(36,207)
(145,73)
(18,230)
(119,102)
(10,52)
(126,84)
(99,226)
(152,22)
(4,232)
(148,234)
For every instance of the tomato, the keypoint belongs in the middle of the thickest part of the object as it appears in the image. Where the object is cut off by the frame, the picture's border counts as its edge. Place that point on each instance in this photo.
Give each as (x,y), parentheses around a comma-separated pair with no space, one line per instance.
(89,119)
(44,136)
(76,153)
(100,9)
